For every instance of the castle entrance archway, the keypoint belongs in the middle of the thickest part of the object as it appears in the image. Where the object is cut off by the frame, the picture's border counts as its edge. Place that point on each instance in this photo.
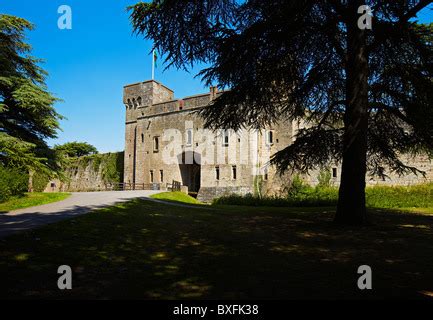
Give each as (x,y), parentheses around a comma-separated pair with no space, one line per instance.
(190,170)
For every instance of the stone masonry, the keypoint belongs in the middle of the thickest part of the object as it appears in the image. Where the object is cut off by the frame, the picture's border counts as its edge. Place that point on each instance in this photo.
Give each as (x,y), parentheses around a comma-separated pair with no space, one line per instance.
(153,116)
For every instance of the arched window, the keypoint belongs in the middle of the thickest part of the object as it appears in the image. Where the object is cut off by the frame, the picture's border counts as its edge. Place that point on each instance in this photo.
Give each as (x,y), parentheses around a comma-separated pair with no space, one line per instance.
(129,103)
(134,103)
(226,138)
(139,101)
(270,137)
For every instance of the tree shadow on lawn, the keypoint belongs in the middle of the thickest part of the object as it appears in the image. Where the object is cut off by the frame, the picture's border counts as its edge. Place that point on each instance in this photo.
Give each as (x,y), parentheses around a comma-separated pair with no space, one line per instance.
(148,250)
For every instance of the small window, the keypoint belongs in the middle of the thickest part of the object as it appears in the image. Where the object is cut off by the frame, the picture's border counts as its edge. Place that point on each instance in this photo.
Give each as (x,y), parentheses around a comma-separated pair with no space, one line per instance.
(139,101)
(334,172)
(151,176)
(226,138)
(234,172)
(155,144)
(189,137)
(217,173)
(161,175)
(142,138)
(270,138)
(265,175)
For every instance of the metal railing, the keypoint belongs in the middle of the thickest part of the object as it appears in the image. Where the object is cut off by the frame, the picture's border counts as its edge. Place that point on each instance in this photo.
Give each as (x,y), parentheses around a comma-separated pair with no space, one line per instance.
(174,186)
(125,186)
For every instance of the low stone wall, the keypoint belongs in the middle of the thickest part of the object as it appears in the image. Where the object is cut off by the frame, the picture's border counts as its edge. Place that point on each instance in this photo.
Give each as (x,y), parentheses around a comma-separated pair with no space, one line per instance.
(207,194)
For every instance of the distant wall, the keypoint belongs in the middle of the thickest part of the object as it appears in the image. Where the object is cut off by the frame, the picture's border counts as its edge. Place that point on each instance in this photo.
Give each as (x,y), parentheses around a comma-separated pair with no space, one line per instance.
(89,173)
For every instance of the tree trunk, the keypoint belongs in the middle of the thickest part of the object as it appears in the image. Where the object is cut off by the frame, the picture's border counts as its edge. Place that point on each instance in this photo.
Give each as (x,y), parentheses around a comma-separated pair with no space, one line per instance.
(351,208)
(30,183)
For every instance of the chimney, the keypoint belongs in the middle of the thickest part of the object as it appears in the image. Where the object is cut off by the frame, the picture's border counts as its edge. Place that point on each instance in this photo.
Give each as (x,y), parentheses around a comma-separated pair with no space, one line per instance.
(213,92)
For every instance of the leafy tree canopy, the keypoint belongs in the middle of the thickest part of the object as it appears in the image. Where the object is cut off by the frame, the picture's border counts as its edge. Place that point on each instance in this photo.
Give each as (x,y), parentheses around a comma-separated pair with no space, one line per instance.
(76,149)
(27,114)
(366,96)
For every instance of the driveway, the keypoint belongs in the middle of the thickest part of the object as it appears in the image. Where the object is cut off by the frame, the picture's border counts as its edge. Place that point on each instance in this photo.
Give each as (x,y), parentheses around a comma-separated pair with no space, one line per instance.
(77,204)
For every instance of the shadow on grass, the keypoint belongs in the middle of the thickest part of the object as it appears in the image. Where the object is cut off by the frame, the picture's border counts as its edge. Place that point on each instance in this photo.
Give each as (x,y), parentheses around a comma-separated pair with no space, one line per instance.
(181,203)
(143,249)
(11,223)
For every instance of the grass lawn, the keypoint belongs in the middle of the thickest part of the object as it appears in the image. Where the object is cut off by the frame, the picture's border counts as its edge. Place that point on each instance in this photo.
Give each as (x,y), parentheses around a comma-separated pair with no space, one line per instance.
(32,199)
(176,196)
(419,210)
(143,249)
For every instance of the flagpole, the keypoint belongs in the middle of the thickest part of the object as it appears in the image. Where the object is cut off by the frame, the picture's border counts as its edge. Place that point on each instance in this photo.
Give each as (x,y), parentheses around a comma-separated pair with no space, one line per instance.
(153,64)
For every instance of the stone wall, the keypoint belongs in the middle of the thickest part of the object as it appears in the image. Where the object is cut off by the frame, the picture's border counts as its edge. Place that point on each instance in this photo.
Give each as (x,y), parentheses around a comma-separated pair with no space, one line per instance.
(151,109)
(89,173)
(207,194)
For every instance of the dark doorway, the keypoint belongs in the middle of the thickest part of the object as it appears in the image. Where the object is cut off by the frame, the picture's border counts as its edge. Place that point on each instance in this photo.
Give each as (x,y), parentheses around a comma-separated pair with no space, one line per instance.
(190,170)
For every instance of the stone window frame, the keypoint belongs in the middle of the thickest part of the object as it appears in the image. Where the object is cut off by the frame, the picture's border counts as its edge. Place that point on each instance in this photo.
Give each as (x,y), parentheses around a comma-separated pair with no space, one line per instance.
(270,137)
(151,176)
(217,173)
(156,144)
(234,172)
(334,173)
(226,138)
(161,175)
(189,137)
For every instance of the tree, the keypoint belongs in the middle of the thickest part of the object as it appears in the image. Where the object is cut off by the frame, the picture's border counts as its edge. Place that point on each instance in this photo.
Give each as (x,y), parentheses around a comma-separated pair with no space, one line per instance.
(76,149)
(366,95)
(27,114)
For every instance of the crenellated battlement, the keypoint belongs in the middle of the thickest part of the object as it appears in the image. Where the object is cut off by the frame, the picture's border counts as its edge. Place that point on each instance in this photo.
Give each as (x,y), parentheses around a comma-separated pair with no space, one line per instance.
(144,94)
(151,98)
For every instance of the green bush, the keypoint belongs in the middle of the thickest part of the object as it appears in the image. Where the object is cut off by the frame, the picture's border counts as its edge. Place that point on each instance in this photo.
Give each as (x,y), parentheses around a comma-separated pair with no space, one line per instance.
(110,165)
(324,178)
(298,187)
(13,182)
(302,195)
(40,182)
(416,196)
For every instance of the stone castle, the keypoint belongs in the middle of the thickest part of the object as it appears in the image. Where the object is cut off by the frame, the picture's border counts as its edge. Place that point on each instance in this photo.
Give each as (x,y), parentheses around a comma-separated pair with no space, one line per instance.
(165,141)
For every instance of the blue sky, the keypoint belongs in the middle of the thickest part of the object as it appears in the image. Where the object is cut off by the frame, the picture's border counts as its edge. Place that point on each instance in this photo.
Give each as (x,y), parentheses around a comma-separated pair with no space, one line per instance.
(89,65)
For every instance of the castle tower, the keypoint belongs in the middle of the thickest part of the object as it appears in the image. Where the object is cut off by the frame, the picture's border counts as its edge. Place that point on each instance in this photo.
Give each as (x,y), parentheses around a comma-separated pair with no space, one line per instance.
(137,98)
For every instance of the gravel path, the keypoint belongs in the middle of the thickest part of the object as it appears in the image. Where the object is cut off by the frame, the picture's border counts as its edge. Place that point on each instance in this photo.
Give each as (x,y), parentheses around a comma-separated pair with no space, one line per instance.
(77,204)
